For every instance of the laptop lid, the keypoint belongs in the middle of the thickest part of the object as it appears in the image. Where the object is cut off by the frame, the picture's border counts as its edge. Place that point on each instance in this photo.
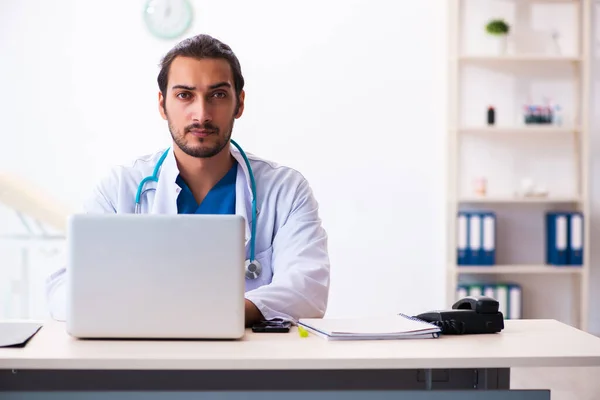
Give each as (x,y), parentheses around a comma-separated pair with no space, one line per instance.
(155,276)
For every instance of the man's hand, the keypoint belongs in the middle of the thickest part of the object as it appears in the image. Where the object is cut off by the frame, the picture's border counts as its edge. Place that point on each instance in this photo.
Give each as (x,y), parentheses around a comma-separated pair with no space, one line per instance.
(253,315)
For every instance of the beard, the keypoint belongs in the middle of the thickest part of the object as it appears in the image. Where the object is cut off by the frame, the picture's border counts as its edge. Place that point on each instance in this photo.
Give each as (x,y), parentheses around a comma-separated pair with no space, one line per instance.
(201,147)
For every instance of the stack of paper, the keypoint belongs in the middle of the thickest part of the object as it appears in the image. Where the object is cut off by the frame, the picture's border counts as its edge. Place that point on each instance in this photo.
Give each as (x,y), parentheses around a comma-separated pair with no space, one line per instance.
(372,328)
(17,333)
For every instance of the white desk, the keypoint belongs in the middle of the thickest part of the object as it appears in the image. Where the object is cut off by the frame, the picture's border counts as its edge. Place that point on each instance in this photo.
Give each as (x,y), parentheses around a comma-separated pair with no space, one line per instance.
(52,360)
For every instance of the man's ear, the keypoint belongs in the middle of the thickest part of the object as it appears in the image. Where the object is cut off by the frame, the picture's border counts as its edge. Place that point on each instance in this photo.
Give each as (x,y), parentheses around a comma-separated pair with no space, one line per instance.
(161,107)
(240,105)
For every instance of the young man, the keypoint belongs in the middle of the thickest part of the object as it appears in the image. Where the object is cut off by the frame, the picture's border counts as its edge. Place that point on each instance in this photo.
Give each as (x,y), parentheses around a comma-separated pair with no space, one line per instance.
(201,94)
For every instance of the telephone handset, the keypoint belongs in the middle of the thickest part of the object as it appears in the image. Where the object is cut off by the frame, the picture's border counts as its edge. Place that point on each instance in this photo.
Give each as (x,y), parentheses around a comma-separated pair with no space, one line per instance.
(470,315)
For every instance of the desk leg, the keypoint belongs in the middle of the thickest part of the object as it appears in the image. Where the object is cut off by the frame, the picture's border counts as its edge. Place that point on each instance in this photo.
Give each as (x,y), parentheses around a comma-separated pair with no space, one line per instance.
(493,378)
(483,382)
(428,379)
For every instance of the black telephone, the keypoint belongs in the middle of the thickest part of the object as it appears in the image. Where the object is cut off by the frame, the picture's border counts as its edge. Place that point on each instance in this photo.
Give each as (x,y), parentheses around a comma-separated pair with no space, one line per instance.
(470,315)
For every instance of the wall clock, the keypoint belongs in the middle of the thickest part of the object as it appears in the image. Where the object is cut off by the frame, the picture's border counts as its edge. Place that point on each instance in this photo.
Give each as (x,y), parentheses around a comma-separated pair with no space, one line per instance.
(168,19)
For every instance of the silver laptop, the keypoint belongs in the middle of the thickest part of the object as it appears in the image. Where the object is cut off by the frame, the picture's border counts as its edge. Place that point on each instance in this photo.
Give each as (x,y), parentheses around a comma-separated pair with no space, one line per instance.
(155,276)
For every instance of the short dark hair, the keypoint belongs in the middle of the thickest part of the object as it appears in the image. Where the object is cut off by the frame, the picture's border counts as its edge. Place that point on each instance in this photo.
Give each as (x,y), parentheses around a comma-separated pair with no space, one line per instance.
(198,47)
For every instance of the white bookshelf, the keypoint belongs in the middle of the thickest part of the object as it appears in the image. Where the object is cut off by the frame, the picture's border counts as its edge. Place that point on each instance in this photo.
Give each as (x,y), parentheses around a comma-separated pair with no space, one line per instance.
(573,281)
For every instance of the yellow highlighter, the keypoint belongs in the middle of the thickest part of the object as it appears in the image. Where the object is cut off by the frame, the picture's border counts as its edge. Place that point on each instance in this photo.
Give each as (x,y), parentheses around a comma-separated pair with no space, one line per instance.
(303,332)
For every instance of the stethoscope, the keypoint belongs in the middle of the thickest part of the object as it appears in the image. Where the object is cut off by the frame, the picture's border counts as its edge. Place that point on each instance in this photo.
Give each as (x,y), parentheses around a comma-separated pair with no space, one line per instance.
(252,266)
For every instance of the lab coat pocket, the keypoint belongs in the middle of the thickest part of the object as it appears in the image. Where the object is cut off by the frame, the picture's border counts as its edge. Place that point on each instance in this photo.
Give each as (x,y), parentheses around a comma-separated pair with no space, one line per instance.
(265,259)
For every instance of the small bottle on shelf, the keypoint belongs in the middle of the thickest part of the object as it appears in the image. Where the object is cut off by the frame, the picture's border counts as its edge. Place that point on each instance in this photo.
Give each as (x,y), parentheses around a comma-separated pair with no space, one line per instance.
(491,115)
(527,114)
(537,115)
(558,115)
(549,111)
(480,186)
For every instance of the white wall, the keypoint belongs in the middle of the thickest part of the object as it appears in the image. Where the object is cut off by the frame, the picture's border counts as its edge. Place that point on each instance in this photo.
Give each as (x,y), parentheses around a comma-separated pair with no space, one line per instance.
(351,93)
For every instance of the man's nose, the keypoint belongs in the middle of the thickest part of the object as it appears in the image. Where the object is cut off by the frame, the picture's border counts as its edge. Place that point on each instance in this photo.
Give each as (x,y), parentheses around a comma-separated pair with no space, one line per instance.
(201,111)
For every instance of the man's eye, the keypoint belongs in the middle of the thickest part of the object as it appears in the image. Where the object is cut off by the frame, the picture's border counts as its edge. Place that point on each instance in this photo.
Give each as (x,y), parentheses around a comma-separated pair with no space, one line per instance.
(219,95)
(183,95)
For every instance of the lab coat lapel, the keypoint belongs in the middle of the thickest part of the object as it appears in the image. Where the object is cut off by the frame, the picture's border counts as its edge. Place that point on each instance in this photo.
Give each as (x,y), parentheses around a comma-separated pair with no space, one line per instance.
(243,192)
(243,204)
(165,199)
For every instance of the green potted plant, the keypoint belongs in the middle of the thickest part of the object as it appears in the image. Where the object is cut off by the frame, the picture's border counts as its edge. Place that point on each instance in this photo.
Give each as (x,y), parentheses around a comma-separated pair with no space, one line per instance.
(498,29)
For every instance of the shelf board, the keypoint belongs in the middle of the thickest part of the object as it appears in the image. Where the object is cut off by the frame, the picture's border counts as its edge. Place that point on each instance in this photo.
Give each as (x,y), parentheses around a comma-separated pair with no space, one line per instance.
(519,200)
(519,130)
(518,269)
(518,58)
(545,1)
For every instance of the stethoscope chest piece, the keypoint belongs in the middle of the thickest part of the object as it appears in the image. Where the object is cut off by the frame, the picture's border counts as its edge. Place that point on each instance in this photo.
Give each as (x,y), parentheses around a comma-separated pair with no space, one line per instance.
(253,269)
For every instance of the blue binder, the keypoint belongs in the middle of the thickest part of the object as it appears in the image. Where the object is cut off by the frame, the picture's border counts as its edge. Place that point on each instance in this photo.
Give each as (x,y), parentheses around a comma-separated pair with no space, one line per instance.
(488,234)
(462,238)
(474,248)
(557,237)
(576,233)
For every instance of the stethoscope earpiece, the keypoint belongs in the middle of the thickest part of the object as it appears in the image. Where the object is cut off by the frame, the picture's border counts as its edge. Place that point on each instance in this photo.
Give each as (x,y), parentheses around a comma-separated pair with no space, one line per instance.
(253,269)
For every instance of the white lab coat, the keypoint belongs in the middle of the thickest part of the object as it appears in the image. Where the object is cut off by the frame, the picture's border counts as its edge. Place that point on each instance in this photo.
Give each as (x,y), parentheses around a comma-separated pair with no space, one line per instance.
(291,244)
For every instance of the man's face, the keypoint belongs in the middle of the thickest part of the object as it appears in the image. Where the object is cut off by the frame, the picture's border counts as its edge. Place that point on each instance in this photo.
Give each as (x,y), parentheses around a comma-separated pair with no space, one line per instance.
(200,105)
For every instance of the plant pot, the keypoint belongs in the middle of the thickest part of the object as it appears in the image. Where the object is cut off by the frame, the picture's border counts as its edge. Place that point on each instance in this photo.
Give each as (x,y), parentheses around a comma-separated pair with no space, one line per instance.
(499,45)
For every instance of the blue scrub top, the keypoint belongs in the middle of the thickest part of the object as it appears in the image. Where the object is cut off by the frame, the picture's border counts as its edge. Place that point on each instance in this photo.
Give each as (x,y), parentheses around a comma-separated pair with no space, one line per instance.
(219,200)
